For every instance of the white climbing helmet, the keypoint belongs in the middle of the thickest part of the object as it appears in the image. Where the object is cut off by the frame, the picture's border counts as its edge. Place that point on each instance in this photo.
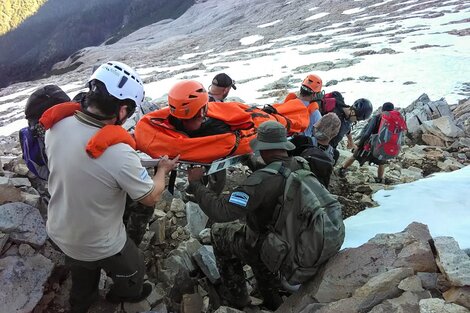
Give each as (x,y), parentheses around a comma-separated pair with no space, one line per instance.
(120,80)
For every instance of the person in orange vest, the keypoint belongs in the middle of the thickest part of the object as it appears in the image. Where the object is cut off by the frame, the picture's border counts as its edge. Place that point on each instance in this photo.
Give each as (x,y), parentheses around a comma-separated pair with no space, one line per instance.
(88,187)
(310,93)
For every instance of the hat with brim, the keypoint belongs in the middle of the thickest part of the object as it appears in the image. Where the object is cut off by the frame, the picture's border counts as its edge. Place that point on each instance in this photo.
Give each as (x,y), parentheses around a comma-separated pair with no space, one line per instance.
(271,136)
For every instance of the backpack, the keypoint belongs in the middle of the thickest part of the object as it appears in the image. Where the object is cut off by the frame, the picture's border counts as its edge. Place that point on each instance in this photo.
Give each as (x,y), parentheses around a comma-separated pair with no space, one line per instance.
(308,226)
(34,152)
(330,101)
(386,144)
(320,159)
(320,162)
(32,137)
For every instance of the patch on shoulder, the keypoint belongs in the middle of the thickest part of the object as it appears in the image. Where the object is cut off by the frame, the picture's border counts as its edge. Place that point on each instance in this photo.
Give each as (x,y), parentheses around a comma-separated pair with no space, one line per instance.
(239,198)
(144,175)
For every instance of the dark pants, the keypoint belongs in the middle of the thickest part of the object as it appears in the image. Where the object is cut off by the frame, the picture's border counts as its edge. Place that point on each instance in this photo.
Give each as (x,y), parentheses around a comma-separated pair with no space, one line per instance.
(126,268)
(136,218)
(232,250)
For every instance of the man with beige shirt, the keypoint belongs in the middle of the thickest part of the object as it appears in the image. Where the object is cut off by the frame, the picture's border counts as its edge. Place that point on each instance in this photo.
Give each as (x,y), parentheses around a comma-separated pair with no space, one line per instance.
(88,195)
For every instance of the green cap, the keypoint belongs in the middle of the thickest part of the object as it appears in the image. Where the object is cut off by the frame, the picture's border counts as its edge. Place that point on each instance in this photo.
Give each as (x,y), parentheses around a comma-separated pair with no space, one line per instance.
(271,135)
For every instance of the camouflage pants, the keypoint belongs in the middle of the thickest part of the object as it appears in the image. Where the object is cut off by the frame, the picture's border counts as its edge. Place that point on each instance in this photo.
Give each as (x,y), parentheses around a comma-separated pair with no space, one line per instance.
(232,250)
(136,217)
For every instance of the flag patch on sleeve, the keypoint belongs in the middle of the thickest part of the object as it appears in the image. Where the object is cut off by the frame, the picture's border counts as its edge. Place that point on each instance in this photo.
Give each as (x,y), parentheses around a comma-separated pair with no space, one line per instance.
(239,198)
(144,174)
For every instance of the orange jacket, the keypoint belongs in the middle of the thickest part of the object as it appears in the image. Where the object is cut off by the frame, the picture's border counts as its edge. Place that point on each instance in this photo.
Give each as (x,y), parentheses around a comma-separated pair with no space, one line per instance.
(291,97)
(156,136)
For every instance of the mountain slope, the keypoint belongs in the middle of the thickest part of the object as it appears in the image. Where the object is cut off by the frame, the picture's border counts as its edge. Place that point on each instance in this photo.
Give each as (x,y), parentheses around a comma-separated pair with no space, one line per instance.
(62,27)
(14,12)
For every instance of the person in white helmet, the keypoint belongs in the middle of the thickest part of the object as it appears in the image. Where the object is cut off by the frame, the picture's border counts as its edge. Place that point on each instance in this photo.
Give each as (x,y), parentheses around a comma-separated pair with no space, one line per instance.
(88,195)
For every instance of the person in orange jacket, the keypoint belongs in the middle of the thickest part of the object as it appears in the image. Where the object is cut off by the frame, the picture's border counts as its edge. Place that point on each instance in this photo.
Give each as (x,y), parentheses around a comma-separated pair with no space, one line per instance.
(310,93)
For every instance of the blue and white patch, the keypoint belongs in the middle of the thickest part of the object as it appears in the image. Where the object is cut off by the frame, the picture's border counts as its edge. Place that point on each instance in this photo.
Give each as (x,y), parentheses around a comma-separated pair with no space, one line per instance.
(239,198)
(144,175)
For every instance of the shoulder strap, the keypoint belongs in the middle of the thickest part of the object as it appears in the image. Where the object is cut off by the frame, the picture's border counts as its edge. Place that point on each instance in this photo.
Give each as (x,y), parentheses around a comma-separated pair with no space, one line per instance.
(277,168)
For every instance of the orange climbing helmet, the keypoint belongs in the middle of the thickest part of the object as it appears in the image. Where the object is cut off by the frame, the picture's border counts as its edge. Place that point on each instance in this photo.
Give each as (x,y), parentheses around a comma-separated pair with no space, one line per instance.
(313,82)
(186,98)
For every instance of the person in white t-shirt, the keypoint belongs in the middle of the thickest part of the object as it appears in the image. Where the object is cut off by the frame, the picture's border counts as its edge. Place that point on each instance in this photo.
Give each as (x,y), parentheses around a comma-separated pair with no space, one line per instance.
(88,195)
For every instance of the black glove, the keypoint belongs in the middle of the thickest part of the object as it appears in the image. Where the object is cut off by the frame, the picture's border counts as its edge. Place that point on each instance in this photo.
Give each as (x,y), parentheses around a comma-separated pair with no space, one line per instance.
(269,109)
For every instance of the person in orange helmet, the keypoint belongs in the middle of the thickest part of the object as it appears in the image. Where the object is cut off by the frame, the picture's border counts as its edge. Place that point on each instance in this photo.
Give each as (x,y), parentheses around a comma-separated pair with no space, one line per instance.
(188,102)
(310,93)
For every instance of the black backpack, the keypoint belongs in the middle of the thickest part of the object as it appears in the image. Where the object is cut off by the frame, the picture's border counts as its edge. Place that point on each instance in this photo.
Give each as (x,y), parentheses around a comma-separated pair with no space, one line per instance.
(318,157)
(32,137)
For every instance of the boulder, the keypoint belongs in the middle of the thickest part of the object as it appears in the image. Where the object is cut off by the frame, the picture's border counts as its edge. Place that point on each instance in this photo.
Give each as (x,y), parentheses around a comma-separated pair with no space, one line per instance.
(21,282)
(452,261)
(196,218)
(423,109)
(438,305)
(23,222)
(458,295)
(9,193)
(408,302)
(350,269)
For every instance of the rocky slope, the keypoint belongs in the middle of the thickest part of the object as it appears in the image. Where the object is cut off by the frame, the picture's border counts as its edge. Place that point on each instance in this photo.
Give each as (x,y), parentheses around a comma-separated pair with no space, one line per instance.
(402,272)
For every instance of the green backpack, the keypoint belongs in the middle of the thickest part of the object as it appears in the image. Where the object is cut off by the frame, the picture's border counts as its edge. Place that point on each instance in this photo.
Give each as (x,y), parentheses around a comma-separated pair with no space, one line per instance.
(307,227)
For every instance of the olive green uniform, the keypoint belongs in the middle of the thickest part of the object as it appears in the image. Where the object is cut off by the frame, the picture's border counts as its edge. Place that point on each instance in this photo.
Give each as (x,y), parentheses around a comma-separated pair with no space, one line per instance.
(237,243)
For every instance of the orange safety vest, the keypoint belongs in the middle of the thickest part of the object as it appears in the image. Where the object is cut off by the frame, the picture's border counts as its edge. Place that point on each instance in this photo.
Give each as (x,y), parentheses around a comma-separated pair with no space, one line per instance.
(105,137)
(157,137)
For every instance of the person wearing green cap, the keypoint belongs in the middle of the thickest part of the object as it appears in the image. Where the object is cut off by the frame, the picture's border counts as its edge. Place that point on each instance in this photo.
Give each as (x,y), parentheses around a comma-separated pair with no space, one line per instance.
(236,243)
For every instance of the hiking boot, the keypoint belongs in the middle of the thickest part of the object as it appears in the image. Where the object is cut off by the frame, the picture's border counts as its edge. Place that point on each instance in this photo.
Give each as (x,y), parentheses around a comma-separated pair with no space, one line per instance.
(342,172)
(146,290)
(385,181)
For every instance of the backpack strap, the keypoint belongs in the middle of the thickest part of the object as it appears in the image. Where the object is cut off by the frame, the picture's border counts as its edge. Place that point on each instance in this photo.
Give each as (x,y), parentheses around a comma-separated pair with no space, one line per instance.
(277,168)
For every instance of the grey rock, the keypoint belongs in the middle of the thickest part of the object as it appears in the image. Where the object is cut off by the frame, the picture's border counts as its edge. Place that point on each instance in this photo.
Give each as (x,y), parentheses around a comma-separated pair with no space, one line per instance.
(22,282)
(205,258)
(412,283)
(157,295)
(8,193)
(352,268)
(179,261)
(31,199)
(25,250)
(381,287)
(205,236)
(23,222)
(452,261)
(159,227)
(177,205)
(428,280)
(408,302)
(3,240)
(226,309)
(20,181)
(438,305)
(196,218)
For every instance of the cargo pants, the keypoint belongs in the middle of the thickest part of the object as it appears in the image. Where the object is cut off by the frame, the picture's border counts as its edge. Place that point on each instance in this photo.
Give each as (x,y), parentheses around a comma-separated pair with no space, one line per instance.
(232,251)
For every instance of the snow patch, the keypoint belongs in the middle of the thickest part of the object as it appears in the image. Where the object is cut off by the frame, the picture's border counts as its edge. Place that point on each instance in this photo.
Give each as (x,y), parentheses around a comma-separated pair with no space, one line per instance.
(269,24)
(316,16)
(245,41)
(353,11)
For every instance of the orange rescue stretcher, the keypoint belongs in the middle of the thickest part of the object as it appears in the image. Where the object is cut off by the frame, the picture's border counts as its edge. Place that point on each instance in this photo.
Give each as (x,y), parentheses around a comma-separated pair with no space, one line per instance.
(156,137)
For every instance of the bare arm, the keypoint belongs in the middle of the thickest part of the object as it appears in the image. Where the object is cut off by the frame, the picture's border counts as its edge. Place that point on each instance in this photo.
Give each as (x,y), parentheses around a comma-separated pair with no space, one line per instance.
(164,167)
